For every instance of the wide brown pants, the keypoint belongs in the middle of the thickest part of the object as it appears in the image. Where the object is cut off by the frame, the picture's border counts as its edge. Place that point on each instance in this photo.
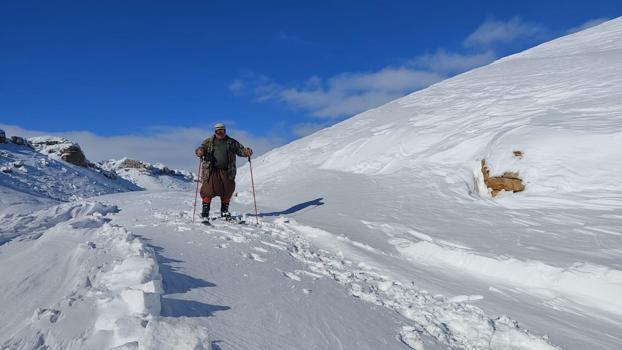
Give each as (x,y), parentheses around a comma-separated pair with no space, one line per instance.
(218,184)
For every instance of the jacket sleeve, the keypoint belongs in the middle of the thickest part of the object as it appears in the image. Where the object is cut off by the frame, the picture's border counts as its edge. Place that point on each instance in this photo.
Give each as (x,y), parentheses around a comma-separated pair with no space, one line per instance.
(240,150)
(203,145)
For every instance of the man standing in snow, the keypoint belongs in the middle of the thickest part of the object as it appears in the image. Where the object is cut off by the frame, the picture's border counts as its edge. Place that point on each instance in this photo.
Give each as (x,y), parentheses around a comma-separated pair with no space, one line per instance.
(218,173)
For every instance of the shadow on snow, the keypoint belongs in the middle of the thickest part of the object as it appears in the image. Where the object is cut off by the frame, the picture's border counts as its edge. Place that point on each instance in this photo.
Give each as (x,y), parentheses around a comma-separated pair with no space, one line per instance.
(298,207)
(175,282)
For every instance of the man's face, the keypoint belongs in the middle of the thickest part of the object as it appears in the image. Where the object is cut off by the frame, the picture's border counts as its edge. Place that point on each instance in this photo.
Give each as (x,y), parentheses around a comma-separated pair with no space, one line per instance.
(220,133)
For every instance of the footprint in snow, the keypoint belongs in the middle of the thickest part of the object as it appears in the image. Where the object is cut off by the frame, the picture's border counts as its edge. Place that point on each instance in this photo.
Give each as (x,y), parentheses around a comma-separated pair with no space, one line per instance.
(401,243)
(279,247)
(253,256)
(260,249)
(291,276)
(51,315)
(236,238)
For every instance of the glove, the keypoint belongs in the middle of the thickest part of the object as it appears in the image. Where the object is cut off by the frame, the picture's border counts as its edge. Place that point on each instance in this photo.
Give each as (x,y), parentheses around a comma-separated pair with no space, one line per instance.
(199,152)
(249,152)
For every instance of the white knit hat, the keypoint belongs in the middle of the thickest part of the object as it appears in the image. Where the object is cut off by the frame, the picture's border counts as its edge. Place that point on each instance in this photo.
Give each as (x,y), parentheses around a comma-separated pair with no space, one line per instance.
(219,126)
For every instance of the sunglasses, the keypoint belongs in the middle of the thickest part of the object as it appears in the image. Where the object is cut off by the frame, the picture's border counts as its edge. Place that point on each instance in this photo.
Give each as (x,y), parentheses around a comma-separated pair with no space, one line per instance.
(220,131)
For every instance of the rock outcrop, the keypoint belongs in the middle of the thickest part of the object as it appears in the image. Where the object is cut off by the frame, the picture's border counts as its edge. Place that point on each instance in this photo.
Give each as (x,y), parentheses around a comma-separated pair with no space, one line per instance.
(2,136)
(509,181)
(18,140)
(62,148)
(126,164)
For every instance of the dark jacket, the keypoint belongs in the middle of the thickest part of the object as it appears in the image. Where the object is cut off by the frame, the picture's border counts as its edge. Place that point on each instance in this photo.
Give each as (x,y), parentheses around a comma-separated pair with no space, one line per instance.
(233,148)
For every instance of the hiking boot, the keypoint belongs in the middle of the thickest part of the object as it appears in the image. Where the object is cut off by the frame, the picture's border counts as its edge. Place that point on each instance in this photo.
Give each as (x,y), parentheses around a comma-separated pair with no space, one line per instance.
(224,210)
(205,211)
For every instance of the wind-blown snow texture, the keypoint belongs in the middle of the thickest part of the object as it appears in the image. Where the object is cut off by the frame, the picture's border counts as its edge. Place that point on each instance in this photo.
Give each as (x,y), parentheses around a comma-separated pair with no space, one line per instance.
(30,179)
(376,232)
(402,189)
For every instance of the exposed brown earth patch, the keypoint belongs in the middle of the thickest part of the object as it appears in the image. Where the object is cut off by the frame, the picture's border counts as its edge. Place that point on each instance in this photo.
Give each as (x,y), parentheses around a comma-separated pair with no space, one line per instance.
(509,181)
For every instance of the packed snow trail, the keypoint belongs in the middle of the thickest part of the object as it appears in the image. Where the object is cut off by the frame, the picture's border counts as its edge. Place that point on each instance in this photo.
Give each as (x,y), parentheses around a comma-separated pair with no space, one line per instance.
(240,283)
(267,287)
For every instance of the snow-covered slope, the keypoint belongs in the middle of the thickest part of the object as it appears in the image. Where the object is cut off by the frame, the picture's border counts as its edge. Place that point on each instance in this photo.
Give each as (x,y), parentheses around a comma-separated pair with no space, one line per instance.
(71,280)
(375,233)
(150,176)
(558,103)
(74,281)
(52,169)
(398,189)
(30,177)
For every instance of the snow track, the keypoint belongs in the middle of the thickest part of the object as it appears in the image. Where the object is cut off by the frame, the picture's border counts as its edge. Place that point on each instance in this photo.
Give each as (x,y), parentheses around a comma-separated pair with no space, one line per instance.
(71,280)
(286,252)
(449,322)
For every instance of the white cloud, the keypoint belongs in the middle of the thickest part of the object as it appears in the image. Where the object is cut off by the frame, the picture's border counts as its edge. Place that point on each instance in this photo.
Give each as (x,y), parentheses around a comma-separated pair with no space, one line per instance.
(451,63)
(350,93)
(171,146)
(500,32)
(347,94)
(259,86)
(341,95)
(588,24)
(237,86)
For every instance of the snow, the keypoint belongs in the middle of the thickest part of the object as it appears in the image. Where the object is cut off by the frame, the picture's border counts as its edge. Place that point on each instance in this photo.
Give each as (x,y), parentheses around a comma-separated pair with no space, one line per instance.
(403,193)
(375,233)
(557,103)
(76,271)
(171,334)
(51,145)
(150,176)
(34,174)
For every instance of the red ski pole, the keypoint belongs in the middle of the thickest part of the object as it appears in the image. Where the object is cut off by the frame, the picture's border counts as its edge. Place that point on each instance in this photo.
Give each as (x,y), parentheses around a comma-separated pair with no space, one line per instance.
(196,192)
(250,165)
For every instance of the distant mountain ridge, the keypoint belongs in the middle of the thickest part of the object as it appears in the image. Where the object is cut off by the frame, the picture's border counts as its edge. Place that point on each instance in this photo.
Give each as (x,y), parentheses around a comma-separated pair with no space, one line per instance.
(48,168)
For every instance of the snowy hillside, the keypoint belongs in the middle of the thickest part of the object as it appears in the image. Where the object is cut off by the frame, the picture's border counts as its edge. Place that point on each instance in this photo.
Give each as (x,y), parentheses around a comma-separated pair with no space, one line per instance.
(558,103)
(398,189)
(150,176)
(377,233)
(50,169)
(28,177)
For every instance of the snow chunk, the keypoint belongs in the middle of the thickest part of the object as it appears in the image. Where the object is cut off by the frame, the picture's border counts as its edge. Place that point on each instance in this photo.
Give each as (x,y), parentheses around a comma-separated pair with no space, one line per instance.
(174,334)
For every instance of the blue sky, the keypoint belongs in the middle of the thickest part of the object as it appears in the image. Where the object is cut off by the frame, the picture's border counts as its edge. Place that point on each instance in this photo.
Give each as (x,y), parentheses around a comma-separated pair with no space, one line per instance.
(104,72)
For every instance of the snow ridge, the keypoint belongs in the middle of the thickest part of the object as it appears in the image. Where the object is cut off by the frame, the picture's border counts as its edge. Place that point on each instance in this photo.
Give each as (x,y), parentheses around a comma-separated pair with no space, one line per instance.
(90,284)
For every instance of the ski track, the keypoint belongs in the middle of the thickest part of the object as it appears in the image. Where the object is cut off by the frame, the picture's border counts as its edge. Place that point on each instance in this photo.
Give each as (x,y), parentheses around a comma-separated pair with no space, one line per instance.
(127,312)
(428,319)
(257,244)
